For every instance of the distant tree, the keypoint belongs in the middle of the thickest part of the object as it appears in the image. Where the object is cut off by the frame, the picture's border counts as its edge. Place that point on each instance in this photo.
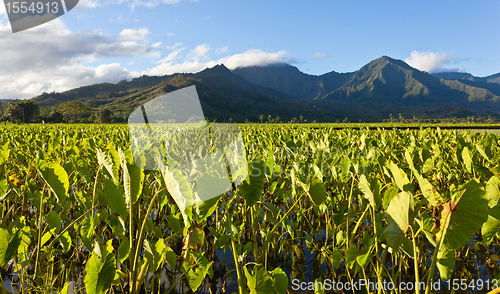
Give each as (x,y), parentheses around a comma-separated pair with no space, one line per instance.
(401,118)
(346,120)
(269,119)
(261,117)
(55,117)
(277,119)
(73,111)
(104,115)
(391,117)
(22,111)
(301,118)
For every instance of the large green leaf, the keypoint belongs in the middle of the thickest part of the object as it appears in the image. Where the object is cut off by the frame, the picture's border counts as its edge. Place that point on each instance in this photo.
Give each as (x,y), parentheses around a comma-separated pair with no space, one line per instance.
(492,192)
(56,178)
(467,158)
(55,224)
(154,254)
(54,221)
(398,214)
(351,254)
(492,225)
(214,181)
(469,210)
(399,175)
(280,280)
(373,198)
(123,249)
(446,263)
(115,198)
(65,288)
(4,152)
(428,190)
(180,190)
(205,208)
(83,170)
(171,258)
(133,177)
(4,188)
(99,274)
(65,240)
(8,246)
(260,281)
(198,271)
(251,189)
(317,191)
(111,162)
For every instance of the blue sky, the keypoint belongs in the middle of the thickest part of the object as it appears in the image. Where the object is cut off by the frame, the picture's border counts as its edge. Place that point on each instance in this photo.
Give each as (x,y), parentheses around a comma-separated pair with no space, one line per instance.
(109,40)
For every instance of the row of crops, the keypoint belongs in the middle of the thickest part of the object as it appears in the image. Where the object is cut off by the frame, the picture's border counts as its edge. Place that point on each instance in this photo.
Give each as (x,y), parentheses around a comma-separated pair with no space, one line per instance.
(79,216)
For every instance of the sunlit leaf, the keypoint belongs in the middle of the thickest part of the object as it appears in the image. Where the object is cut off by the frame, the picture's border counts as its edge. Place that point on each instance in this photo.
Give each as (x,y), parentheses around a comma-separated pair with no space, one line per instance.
(56,178)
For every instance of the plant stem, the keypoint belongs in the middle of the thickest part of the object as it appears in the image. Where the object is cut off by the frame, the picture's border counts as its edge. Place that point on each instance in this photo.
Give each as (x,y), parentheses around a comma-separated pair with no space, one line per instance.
(415,261)
(70,225)
(141,233)
(436,251)
(254,236)
(349,208)
(241,282)
(95,186)
(131,257)
(39,245)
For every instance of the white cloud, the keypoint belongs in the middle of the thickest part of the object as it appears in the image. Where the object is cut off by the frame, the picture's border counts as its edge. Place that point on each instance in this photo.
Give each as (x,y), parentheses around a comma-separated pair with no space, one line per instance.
(321,55)
(170,57)
(200,52)
(156,45)
(170,34)
(174,47)
(221,50)
(3,12)
(50,58)
(133,34)
(432,62)
(131,3)
(253,57)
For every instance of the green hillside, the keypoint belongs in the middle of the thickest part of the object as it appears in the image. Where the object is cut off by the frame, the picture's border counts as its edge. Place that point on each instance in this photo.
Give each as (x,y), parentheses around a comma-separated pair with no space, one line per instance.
(383,87)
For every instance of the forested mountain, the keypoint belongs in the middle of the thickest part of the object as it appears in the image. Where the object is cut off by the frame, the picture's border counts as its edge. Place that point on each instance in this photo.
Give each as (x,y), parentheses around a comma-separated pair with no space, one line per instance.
(467,76)
(384,81)
(382,87)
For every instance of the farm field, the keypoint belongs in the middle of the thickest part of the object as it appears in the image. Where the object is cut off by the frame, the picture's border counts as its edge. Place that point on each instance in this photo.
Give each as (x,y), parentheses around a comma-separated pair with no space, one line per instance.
(322,202)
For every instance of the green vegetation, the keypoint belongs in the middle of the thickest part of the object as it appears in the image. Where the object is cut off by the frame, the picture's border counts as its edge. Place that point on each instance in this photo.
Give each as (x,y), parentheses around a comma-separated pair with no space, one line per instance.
(382,87)
(320,203)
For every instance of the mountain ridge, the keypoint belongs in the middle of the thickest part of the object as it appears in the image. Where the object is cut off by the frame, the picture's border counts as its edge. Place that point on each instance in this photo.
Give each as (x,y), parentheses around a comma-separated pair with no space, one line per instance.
(382,81)
(381,87)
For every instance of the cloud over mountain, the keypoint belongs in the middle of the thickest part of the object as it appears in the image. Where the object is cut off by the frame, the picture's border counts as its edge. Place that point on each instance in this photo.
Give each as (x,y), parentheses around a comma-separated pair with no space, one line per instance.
(432,62)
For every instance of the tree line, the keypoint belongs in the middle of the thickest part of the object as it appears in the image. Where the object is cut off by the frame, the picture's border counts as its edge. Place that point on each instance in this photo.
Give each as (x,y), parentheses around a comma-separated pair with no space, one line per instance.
(28,111)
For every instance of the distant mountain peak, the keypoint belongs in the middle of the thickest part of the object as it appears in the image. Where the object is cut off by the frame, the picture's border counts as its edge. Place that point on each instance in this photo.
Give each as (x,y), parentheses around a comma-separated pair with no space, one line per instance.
(218,69)
(389,60)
